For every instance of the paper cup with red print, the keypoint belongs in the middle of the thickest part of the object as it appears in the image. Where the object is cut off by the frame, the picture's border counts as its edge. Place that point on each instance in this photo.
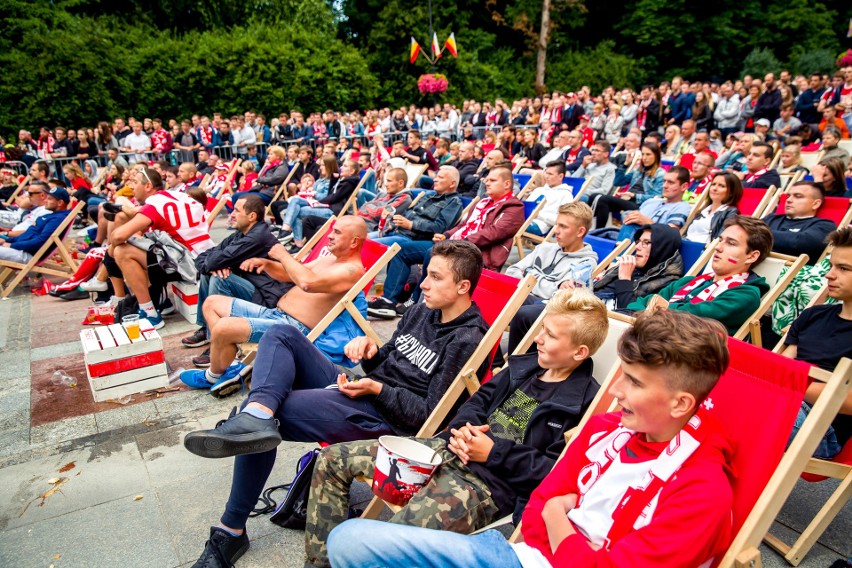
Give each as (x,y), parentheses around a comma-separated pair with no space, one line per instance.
(403,466)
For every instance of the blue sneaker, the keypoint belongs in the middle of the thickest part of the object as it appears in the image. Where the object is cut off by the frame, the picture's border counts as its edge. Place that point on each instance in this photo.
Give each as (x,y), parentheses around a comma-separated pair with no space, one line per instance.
(156,321)
(231,381)
(195,379)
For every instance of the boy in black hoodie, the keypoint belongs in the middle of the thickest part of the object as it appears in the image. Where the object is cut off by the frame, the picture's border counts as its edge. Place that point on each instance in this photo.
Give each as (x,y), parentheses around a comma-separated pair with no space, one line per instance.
(297,394)
(499,446)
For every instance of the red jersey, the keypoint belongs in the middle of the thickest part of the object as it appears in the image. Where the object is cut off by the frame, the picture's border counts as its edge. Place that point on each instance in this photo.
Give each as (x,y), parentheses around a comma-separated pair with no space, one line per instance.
(182,217)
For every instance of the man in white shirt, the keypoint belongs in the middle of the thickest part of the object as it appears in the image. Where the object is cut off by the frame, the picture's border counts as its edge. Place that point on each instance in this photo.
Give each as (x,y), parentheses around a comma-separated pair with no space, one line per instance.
(597,169)
(555,192)
(136,144)
(560,143)
(246,136)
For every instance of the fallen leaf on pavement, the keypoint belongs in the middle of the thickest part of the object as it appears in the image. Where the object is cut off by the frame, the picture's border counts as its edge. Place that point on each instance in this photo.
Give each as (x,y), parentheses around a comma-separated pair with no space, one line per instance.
(57,556)
(68,466)
(57,483)
(137,498)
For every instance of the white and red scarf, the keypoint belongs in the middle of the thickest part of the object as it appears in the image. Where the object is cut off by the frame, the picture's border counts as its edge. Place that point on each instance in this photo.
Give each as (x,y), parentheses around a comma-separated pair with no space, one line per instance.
(750,177)
(205,135)
(712,291)
(638,503)
(477,218)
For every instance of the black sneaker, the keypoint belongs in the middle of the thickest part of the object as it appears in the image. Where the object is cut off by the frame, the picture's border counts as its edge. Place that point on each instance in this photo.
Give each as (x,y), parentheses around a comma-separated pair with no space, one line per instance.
(403,307)
(202,360)
(381,308)
(167,308)
(222,549)
(240,434)
(285,237)
(197,339)
(75,294)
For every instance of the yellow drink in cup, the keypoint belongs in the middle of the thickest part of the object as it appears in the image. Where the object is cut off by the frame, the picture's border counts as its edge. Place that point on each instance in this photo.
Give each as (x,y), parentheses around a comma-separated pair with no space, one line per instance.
(131,326)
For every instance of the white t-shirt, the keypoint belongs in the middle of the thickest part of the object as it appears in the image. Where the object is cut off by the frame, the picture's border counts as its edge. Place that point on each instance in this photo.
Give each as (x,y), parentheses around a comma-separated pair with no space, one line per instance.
(556,197)
(137,143)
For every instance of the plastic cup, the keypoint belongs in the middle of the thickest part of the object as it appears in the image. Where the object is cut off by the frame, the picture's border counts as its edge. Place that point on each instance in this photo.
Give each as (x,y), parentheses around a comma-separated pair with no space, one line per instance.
(131,326)
(92,315)
(105,313)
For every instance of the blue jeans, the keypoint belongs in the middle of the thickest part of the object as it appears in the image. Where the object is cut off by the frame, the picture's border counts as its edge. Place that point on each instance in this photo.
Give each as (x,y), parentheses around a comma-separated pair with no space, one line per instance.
(261,318)
(828,447)
(290,376)
(534,230)
(298,210)
(411,253)
(233,286)
(362,543)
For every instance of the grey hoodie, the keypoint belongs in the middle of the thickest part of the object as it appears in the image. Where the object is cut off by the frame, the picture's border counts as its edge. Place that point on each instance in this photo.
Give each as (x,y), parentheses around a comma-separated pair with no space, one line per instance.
(551,267)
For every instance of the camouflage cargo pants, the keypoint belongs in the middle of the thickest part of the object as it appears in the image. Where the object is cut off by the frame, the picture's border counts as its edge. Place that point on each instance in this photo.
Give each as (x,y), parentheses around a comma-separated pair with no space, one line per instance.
(455,499)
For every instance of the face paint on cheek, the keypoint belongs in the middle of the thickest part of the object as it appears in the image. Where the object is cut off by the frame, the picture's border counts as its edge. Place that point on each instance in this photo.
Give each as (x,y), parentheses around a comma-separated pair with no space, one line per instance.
(733,260)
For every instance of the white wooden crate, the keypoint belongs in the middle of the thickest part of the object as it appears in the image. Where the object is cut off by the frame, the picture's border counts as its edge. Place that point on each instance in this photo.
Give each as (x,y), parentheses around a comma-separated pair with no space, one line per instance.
(117,366)
(185,299)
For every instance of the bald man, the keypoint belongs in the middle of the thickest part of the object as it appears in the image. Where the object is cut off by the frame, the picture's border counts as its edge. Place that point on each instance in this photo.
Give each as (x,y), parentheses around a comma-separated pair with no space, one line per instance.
(317,287)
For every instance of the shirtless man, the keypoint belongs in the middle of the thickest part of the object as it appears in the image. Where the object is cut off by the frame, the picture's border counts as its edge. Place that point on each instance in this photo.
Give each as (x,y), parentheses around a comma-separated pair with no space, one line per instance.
(318,286)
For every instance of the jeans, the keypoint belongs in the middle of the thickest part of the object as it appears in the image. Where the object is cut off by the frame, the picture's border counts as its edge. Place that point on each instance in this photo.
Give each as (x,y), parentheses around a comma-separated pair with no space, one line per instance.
(233,286)
(297,211)
(261,318)
(411,253)
(362,543)
(828,447)
(290,376)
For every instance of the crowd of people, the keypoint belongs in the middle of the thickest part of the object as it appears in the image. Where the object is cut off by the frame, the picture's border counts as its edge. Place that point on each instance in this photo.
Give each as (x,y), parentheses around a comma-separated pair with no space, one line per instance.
(643,159)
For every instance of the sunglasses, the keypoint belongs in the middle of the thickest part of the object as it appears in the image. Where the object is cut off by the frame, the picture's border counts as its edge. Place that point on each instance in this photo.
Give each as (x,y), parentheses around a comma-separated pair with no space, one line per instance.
(144,172)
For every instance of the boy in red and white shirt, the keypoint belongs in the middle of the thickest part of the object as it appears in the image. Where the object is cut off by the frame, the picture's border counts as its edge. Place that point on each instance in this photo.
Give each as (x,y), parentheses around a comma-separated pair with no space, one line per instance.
(175,213)
(646,486)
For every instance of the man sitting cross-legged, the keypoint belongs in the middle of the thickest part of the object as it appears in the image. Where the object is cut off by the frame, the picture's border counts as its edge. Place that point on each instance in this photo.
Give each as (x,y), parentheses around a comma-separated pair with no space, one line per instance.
(298,394)
(499,446)
(731,292)
(317,287)
(596,508)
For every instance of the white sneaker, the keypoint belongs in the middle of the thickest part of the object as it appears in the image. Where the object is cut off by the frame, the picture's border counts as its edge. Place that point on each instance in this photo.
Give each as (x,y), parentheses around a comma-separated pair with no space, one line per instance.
(94,285)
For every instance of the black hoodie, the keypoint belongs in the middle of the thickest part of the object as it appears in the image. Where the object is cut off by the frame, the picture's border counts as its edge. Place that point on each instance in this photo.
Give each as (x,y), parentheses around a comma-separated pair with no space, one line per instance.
(420,361)
(664,266)
(513,470)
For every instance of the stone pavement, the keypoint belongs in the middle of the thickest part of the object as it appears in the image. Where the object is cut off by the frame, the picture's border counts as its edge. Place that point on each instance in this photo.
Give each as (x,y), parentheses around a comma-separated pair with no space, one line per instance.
(86,484)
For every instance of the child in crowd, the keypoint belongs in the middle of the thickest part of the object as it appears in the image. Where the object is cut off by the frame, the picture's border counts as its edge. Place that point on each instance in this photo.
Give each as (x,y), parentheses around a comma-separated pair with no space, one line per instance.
(645,486)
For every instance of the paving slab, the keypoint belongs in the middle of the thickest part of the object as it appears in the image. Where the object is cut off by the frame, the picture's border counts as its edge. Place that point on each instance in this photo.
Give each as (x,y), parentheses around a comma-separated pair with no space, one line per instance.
(88,477)
(121,532)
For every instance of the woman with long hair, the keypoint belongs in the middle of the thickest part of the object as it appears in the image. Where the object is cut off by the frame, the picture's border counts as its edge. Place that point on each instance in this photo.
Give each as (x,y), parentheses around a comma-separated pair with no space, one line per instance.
(725,192)
(830,173)
(104,140)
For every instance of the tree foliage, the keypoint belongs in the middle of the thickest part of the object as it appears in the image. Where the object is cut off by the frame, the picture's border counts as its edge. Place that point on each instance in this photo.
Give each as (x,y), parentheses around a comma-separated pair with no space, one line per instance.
(74,62)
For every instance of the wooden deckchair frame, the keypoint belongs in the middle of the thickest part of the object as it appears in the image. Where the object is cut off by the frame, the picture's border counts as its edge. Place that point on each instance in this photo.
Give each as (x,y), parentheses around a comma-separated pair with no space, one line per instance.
(227,190)
(466,378)
(18,190)
(518,239)
(39,259)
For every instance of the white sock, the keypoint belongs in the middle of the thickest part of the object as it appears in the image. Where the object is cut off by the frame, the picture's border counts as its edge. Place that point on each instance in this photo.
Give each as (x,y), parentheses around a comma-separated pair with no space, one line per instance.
(212,377)
(148,308)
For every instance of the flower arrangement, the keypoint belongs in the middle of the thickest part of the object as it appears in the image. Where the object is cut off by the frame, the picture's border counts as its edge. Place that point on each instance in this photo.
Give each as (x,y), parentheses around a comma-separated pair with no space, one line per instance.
(845,59)
(430,83)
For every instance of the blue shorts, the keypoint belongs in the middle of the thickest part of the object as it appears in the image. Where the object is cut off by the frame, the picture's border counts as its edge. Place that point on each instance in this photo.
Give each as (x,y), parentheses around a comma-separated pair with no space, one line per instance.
(261,318)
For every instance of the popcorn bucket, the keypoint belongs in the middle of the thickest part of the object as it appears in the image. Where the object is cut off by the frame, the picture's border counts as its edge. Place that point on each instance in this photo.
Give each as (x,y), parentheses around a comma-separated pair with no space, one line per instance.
(403,466)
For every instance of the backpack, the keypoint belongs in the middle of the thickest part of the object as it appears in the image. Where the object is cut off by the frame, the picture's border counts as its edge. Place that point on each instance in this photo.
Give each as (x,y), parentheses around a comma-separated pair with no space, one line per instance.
(292,512)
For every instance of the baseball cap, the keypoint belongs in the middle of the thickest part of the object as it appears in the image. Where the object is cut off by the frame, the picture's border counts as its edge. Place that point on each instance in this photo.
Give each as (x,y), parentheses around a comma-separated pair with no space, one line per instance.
(763,122)
(60,193)
(585,117)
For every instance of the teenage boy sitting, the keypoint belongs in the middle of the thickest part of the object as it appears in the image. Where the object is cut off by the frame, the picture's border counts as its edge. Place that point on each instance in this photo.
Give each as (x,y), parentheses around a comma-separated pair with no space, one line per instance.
(731,292)
(297,394)
(596,508)
(507,437)
(822,335)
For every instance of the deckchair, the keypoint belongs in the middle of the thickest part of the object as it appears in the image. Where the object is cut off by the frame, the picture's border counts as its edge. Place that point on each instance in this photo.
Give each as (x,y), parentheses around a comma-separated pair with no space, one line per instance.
(375,256)
(531,211)
(607,251)
(837,209)
(839,467)
(469,203)
(756,200)
(39,262)
(699,204)
(770,269)
(18,190)
(226,191)
(352,202)
(499,297)
(810,159)
(282,190)
(414,173)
